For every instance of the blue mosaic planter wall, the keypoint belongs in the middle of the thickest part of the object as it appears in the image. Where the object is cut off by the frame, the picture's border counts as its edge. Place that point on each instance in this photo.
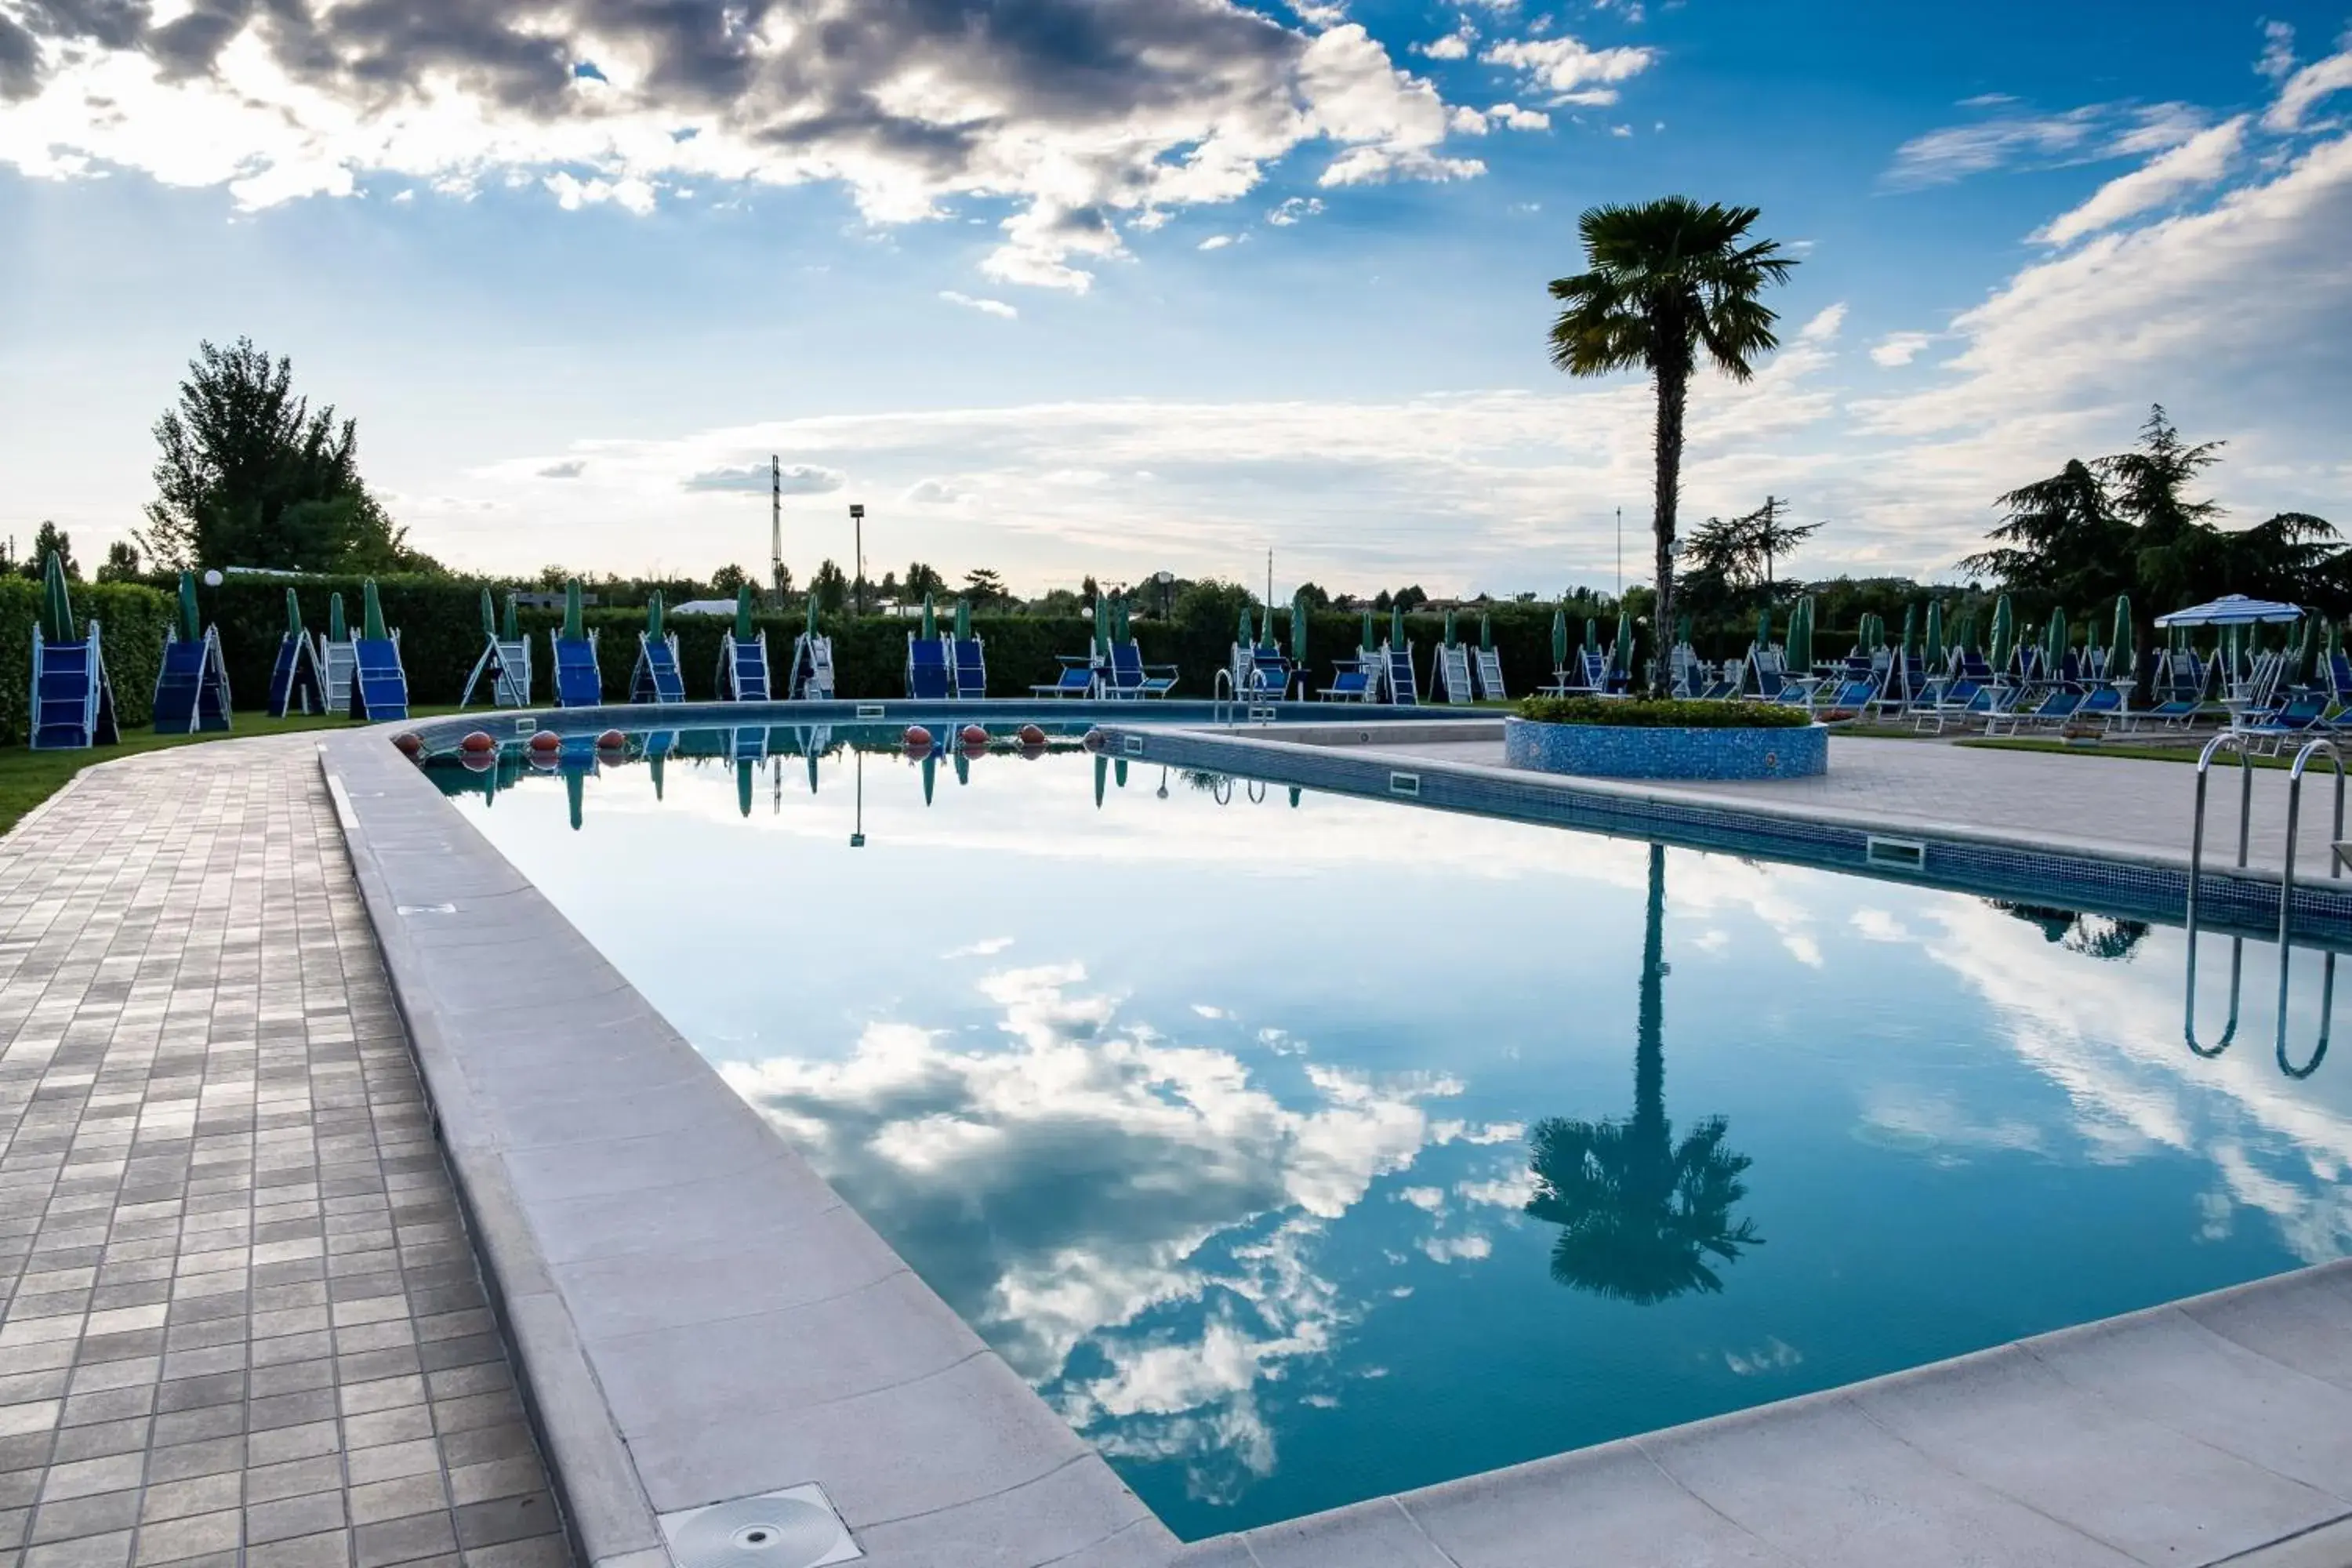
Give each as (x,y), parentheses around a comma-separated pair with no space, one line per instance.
(1628,751)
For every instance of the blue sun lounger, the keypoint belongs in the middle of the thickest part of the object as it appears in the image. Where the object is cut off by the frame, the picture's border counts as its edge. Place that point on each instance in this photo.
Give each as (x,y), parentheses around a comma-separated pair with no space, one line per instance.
(742,668)
(927,678)
(379,684)
(578,682)
(1486,663)
(656,677)
(1397,677)
(2301,714)
(191,685)
(295,683)
(971,668)
(1129,676)
(1449,675)
(2054,706)
(1353,680)
(73,700)
(1076,679)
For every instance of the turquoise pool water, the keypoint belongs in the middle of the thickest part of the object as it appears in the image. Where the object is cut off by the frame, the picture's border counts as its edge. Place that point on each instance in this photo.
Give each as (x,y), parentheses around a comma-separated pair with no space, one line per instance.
(1300,1153)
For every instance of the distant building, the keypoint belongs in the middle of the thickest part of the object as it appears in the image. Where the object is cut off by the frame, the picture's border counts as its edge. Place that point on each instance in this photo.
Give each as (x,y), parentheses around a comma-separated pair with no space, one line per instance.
(535,600)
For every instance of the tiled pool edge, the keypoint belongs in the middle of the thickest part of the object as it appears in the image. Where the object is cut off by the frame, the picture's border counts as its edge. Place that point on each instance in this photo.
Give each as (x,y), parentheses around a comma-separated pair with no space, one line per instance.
(1346,759)
(1002,1478)
(607,1514)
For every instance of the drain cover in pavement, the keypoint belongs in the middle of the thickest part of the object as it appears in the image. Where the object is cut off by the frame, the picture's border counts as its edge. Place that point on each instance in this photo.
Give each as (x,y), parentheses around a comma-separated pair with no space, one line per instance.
(795,1527)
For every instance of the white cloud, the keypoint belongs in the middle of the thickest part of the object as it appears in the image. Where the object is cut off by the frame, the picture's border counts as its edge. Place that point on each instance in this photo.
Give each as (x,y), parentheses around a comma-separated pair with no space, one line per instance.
(1899,348)
(1511,116)
(933,492)
(1824,325)
(909,107)
(2195,163)
(1215,242)
(987,947)
(2320,79)
(2277,61)
(1955,151)
(570,469)
(997,308)
(1181,1259)
(1453,47)
(1877,925)
(1566,68)
(1295,209)
(797,479)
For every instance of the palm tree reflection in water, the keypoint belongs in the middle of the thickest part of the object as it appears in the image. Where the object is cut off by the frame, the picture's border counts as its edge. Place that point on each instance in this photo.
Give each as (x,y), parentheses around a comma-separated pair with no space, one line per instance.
(1639,1214)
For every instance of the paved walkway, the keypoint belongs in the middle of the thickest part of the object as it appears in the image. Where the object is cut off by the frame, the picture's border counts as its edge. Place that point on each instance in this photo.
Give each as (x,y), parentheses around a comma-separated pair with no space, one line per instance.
(243,1321)
(2126,804)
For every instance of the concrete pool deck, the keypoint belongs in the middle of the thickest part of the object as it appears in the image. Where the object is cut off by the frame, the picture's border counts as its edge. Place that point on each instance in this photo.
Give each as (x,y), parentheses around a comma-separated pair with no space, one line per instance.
(2106,833)
(693,1315)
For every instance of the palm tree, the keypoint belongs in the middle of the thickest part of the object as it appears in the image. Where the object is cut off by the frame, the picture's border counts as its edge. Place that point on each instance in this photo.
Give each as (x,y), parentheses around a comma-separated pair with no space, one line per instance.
(1668,279)
(1639,1214)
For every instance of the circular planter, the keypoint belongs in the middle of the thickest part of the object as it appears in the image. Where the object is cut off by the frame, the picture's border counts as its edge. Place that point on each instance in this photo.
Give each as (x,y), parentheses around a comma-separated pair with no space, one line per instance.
(1636,751)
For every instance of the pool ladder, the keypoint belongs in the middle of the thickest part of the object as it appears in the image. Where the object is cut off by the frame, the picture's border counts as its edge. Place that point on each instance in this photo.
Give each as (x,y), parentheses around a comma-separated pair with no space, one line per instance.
(2231,741)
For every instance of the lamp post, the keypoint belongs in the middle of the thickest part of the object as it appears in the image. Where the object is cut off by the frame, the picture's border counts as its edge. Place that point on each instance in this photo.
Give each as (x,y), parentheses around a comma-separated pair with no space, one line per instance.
(1166,580)
(858,529)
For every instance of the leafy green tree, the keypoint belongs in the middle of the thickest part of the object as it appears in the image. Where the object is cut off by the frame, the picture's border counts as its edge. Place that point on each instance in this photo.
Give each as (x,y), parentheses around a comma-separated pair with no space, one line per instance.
(1641,1215)
(983,587)
(727,580)
(922,580)
(1666,281)
(2063,537)
(1317,598)
(1211,606)
(121,562)
(830,586)
(50,540)
(251,475)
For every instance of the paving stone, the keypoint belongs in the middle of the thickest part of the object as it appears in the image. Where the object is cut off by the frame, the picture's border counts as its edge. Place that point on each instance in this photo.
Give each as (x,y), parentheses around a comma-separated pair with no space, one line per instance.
(229,1253)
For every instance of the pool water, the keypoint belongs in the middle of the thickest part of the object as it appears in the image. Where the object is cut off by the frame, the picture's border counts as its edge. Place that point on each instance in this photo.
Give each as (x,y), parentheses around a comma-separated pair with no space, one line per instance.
(1302,1149)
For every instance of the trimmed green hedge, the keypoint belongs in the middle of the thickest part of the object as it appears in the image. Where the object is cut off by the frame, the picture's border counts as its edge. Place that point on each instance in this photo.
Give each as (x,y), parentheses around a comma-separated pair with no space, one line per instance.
(440,619)
(132,622)
(1643,714)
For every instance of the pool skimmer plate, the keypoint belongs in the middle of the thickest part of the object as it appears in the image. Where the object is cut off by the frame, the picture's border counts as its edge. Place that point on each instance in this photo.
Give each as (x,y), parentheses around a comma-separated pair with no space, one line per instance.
(794,1528)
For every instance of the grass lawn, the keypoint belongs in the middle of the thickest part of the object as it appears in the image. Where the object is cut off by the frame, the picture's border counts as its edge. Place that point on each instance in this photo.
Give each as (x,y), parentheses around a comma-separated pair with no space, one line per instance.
(29,777)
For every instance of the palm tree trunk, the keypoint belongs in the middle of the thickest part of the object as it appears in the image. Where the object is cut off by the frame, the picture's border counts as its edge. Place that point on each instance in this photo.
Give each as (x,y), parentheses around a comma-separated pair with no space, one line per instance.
(1674,391)
(1650,1036)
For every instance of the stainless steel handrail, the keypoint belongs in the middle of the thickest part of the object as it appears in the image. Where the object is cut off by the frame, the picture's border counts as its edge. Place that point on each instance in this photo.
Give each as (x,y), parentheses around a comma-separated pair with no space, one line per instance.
(2322,745)
(2228,740)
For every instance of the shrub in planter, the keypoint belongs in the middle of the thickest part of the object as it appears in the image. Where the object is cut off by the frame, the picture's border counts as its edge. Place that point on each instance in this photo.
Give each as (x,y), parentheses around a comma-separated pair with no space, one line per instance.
(1643,713)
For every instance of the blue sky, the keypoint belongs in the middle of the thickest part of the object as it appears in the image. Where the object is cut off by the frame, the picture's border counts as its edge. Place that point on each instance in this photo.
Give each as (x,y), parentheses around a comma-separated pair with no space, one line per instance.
(1070,286)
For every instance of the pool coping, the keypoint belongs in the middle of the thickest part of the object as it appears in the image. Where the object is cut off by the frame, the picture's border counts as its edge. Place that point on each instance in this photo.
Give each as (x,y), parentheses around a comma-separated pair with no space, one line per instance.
(484,984)
(2113,879)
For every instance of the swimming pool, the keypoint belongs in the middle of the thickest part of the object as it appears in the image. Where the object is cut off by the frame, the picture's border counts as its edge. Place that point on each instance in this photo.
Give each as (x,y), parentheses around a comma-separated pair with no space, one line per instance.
(1299,1151)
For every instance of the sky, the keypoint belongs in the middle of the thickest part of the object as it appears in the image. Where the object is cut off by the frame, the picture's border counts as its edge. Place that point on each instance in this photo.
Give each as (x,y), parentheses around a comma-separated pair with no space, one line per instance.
(1108,287)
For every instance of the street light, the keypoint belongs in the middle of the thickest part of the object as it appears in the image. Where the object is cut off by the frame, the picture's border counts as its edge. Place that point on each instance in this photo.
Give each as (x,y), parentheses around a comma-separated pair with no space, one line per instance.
(858,527)
(1166,580)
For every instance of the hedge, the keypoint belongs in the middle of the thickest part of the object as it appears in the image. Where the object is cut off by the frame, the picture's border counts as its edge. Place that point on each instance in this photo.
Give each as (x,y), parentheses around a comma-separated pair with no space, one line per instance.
(439,620)
(132,622)
(1641,713)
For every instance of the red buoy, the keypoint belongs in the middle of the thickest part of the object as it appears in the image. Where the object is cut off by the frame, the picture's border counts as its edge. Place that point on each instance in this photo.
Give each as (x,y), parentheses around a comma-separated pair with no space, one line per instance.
(1032,736)
(547,743)
(409,743)
(478,744)
(612,740)
(974,735)
(918,738)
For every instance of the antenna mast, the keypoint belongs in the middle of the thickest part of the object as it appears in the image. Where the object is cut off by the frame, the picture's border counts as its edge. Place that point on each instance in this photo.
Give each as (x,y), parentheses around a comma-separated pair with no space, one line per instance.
(1620,552)
(776,531)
